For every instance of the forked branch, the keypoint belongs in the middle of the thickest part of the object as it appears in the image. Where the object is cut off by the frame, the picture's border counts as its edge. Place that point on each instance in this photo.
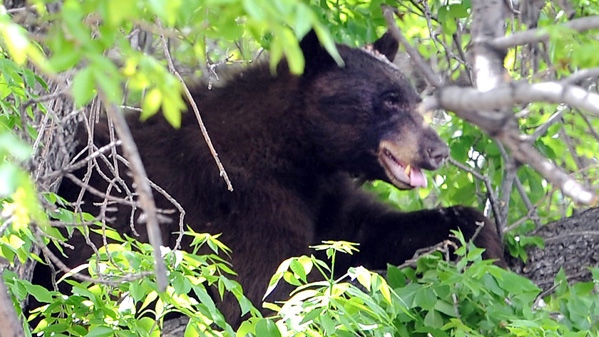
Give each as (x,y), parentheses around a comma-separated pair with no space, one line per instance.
(484,108)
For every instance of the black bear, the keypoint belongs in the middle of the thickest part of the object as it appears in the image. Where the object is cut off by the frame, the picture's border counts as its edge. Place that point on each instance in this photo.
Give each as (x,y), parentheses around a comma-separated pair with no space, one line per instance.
(294,148)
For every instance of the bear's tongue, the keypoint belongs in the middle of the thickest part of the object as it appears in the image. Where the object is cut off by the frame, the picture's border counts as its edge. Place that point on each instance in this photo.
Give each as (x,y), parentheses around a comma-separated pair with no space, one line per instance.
(417,178)
(410,175)
(405,174)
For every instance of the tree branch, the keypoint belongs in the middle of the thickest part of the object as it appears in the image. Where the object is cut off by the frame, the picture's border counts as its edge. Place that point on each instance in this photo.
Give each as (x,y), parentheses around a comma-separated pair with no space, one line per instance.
(195,109)
(424,68)
(469,99)
(541,34)
(487,106)
(142,184)
(526,153)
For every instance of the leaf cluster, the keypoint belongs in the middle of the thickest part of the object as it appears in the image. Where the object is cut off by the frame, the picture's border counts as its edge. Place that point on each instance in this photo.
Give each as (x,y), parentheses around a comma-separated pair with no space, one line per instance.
(435,297)
(125,301)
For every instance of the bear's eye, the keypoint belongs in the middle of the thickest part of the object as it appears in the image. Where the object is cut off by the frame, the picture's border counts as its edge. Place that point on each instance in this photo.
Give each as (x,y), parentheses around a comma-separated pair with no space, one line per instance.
(391,101)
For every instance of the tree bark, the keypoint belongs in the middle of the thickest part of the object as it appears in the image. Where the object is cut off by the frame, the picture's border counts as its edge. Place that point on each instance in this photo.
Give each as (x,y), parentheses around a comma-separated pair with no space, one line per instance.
(570,243)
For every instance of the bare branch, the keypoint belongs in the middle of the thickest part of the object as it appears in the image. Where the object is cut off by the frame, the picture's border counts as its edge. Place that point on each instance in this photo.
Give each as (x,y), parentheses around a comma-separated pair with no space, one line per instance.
(75,166)
(75,272)
(507,184)
(142,184)
(428,73)
(195,109)
(526,153)
(468,99)
(491,194)
(477,107)
(542,129)
(541,34)
(581,75)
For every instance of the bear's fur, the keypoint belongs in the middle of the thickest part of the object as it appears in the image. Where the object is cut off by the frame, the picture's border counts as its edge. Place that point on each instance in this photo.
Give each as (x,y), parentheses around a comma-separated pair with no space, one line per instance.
(293,147)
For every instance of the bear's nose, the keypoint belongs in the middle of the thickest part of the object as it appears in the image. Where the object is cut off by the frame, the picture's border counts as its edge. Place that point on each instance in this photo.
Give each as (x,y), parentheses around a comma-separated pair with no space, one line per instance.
(437,155)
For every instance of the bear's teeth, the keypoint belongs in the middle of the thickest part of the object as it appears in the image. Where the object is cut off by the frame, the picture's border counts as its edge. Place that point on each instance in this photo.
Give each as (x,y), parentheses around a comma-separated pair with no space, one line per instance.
(407,170)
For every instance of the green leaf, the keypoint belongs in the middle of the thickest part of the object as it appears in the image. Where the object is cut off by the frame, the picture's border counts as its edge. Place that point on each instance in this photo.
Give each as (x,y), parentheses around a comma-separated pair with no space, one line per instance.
(100,331)
(458,10)
(10,179)
(298,269)
(295,57)
(425,298)
(83,87)
(14,146)
(151,103)
(40,293)
(120,11)
(267,328)
(172,107)
(446,308)
(328,43)
(72,17)
(180,283)
(433,319)
(395,277)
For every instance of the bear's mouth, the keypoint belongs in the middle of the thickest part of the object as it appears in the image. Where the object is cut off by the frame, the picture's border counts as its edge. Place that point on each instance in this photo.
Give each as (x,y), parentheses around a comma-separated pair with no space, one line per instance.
(403,176)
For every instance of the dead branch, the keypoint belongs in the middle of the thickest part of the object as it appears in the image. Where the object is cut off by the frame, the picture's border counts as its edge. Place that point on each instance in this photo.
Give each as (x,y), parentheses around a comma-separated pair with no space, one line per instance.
(194,107)
(424,68)
(541,34)
(142,185)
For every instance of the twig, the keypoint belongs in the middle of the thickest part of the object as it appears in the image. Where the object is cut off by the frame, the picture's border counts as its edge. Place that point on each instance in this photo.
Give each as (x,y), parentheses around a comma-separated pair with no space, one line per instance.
(179,208)
(73,272)
(541,34)
(75,166)
(532,209)
(442,247)
(526,153)
(591,129)
(428,73)
(542,129)
(58,93)
(195,109)
(143,188)
(94,191)
(485,180)
(507,185)
(571,146)
(581,75)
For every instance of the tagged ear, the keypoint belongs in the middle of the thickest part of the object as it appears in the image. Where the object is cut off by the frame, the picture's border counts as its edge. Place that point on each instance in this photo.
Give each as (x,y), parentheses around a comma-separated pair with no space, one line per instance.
(387,45)
(316,57)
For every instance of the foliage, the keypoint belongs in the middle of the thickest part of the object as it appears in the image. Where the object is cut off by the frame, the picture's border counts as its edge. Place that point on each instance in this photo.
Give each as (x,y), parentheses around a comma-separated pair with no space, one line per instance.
(434,297)
(136,307)
(91,40)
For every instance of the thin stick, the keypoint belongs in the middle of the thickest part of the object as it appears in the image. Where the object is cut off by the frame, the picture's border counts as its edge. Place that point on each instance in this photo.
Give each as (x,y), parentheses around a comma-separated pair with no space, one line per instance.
(140,178)
(428,73)
(194,107)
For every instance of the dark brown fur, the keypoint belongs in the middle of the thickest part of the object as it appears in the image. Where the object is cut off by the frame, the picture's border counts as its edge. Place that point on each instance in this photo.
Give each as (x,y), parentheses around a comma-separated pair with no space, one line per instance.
(292,146)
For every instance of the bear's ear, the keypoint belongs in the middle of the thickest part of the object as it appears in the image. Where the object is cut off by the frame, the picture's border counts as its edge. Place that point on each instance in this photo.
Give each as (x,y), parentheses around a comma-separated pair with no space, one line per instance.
(315,55)
(387,45)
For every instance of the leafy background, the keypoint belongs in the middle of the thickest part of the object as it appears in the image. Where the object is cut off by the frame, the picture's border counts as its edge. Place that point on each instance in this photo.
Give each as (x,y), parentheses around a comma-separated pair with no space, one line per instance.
(90,42)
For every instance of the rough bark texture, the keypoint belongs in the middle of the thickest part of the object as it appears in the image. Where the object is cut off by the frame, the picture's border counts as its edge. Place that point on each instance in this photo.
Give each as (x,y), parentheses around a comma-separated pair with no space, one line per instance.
(570,243)
(10,326)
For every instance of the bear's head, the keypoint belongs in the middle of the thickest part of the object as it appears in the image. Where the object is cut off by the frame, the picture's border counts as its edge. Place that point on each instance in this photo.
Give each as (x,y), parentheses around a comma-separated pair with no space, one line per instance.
(364,112)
